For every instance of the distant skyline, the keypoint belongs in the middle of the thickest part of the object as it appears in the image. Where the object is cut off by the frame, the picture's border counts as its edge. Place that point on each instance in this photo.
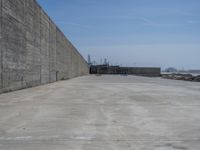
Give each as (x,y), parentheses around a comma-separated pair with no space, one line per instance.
(160,33)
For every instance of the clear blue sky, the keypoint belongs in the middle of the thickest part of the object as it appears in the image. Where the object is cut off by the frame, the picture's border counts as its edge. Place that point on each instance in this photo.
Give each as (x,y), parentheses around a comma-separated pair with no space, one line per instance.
(132,32)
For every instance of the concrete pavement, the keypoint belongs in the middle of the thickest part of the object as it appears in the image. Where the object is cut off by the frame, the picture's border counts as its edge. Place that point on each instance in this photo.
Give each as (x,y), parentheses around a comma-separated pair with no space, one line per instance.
(102,113)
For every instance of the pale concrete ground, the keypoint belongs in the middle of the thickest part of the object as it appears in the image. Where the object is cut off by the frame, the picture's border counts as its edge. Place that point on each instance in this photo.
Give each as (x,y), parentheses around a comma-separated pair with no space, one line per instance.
(102,113)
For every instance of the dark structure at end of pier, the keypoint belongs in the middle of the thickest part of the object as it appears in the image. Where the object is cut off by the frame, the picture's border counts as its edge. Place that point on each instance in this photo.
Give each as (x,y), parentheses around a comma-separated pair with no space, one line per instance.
(140,71)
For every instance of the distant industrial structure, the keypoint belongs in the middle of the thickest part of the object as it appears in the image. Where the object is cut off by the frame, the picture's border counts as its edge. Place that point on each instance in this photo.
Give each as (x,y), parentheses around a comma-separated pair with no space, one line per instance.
(89,60)
(141,71)
(106,68)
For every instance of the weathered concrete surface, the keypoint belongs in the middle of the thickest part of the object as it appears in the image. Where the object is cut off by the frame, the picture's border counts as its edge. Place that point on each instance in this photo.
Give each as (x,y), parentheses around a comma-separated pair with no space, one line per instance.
(102,113)
(33,50)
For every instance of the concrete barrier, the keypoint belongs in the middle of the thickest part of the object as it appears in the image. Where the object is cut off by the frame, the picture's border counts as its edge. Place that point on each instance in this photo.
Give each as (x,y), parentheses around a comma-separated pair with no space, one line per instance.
(33,50)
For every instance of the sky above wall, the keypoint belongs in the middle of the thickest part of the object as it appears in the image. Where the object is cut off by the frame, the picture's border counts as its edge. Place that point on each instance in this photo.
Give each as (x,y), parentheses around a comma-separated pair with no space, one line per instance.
(161,33)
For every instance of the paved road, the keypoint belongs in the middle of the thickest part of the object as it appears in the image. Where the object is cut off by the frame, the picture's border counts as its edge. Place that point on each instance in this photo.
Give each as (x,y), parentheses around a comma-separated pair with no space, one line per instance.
(102,113)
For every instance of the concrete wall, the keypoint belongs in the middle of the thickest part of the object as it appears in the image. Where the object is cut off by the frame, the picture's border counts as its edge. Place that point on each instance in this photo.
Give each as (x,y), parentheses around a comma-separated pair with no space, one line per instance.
(33,50)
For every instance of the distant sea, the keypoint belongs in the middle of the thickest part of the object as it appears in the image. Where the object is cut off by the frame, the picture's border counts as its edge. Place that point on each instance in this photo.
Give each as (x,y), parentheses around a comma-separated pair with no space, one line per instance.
(194,74)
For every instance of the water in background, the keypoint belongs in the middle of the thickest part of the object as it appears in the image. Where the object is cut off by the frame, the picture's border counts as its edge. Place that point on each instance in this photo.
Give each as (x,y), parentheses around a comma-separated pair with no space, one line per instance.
(194,74)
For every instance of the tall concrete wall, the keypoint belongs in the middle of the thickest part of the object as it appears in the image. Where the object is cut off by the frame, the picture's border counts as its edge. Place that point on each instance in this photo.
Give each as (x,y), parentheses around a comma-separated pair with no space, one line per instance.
(33,50)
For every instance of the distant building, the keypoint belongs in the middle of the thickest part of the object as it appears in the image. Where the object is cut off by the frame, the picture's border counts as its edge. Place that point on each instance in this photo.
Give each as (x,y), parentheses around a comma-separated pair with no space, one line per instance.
(141,71)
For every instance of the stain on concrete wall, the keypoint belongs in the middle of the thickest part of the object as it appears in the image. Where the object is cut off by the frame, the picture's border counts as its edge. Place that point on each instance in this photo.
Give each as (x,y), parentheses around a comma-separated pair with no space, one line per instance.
(33,50)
